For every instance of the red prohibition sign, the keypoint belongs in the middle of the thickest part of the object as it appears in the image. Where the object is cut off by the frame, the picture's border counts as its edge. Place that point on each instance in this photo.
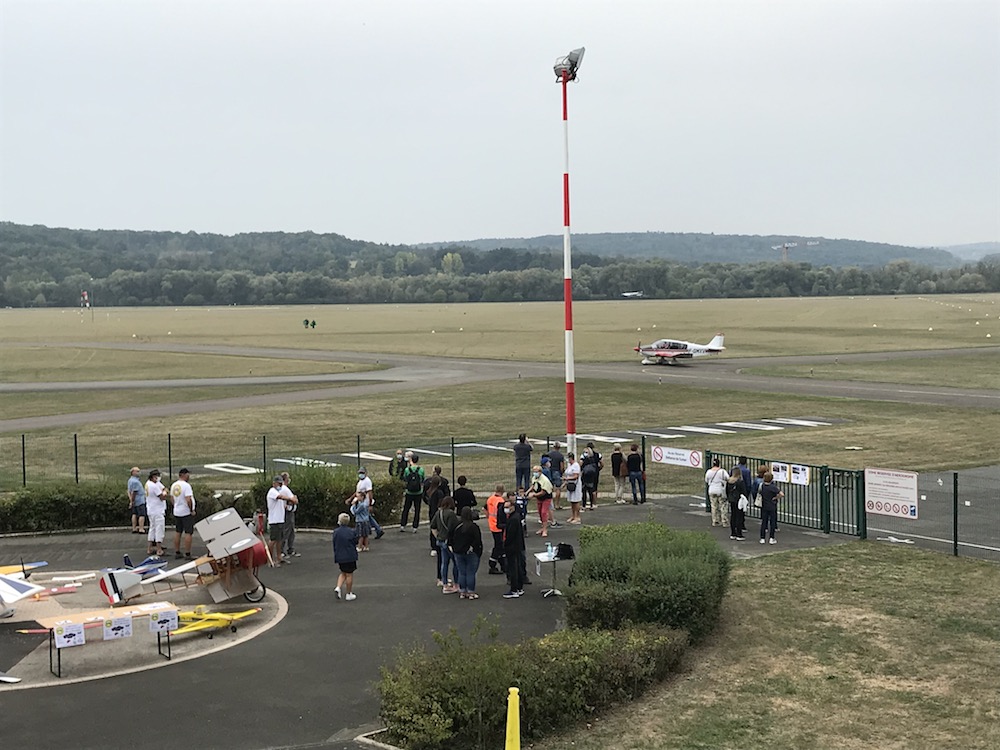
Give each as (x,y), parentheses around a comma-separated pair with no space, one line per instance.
(657,453)
(695,459)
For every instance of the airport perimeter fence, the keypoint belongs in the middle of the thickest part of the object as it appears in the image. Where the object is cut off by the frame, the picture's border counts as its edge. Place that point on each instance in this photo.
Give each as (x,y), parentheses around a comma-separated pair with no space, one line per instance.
(957,512)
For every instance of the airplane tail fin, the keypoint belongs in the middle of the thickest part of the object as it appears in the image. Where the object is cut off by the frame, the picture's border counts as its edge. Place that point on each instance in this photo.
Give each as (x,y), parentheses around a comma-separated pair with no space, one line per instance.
(717,342)
(127,561)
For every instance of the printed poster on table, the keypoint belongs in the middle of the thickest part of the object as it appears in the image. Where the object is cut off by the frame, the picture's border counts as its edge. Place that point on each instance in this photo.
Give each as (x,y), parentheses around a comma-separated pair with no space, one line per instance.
(118,627)
(163,622)
(70,634)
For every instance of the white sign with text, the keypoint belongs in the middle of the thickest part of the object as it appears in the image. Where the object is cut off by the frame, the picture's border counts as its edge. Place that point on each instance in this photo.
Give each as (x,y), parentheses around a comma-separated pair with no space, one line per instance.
(891,492)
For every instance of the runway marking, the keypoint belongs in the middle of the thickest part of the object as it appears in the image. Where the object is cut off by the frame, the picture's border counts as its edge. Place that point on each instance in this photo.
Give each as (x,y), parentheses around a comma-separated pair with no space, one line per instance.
(706,430)
(798,422)
(484,445)
(751,426)
(659,435)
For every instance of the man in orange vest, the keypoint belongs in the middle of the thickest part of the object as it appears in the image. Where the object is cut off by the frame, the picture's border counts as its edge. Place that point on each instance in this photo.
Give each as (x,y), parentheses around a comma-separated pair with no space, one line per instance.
(493,503)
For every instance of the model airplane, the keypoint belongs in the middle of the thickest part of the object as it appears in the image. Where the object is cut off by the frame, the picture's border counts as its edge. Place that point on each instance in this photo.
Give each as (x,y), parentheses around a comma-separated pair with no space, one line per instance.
(668,351)
(201,619)
(13,588)
(229,570)
(633,295)
(24,569)
(148,567)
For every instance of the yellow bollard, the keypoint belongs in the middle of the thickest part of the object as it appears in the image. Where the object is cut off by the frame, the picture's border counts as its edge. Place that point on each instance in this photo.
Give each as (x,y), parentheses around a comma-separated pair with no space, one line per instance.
(513,721)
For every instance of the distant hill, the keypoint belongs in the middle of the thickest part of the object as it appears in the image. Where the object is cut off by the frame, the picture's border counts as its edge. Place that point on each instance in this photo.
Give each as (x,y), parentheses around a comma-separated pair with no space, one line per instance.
(973,251)
(694,249)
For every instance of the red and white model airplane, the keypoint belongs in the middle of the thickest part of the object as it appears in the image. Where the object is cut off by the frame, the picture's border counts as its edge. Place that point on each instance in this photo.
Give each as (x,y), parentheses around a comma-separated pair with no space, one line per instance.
(668,351)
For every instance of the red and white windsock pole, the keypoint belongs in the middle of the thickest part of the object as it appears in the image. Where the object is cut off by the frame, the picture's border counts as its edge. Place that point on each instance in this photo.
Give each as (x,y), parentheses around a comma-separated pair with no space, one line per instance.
(565,70)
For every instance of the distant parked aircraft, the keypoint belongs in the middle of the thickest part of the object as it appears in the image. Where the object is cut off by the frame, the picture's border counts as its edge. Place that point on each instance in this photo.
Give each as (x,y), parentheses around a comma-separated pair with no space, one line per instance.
(668,351)
(633,295)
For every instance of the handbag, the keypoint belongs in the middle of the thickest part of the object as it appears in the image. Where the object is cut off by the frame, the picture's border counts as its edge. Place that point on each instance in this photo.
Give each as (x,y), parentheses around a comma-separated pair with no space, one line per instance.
(571,486)
(757,501)
(743,503)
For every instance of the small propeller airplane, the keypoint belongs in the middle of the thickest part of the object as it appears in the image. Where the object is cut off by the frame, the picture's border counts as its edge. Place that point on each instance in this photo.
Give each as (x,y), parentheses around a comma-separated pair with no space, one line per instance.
(228,570)
(633,295)
(668,351)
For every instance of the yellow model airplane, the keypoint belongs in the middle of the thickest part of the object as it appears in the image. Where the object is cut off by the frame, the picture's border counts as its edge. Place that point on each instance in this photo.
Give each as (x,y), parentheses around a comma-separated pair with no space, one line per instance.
(202,619)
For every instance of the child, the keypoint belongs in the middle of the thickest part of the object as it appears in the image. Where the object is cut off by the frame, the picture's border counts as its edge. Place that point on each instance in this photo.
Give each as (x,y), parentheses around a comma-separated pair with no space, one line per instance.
(361,510)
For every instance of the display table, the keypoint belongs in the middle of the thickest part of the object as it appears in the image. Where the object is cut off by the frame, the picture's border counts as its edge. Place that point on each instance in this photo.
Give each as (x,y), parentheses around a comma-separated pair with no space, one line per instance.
(548,557)
(69,630)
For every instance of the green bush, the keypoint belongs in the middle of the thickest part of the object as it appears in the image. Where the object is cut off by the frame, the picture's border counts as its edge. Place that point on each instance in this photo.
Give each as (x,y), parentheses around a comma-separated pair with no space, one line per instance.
(63,507)
(648,573)
(322,492)
(457,697)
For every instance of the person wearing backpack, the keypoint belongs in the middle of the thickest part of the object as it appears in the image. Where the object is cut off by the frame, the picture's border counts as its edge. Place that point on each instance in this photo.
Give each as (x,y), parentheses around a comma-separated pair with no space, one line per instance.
(413,480)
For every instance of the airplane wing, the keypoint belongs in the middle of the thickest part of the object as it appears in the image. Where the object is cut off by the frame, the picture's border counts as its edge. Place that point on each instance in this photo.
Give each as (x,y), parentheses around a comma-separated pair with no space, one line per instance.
(179,570)
(14,589)
(196,621)
(6,570)
(225,534)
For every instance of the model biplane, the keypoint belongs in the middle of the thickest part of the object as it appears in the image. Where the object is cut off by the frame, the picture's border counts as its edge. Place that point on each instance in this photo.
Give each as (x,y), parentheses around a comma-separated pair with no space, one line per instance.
(228,570)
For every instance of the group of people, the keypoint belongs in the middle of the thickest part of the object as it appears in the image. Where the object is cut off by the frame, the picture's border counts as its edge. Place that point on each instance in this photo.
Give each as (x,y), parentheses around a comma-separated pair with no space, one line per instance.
(148,503)
(730,494)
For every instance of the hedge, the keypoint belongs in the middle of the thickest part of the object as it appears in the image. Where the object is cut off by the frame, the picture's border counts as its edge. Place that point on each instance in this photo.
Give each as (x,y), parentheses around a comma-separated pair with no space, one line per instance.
(647,573)
(71,506)
(457,697)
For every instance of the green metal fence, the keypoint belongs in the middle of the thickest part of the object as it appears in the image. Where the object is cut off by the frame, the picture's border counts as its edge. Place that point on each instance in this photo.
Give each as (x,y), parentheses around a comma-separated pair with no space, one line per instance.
(818,497)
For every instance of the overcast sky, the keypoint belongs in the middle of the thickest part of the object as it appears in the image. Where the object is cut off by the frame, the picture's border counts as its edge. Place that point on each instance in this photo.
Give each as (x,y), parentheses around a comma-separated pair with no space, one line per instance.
(403,121)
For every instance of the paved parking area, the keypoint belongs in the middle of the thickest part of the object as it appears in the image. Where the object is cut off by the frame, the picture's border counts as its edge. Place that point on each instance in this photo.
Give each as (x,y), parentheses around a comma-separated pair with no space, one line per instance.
(308,681)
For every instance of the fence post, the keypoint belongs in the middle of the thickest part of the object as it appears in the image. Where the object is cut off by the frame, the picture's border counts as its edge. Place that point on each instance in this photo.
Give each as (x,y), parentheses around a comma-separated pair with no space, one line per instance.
(453,462)
(76,459)
(859,504)
(24,463)
(824,498)
(263,457)
(170,457)
(708,462)
(954,502)
(642,484)
(359,452)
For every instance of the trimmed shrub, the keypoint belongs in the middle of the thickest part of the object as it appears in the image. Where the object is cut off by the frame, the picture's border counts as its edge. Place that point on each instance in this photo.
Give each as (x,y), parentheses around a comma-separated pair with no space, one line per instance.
(323,491)
(648,573)
(64,507)
(457,697)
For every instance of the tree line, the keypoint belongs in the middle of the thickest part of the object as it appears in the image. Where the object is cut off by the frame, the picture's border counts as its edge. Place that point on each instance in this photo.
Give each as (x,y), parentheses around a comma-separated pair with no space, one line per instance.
(658,279)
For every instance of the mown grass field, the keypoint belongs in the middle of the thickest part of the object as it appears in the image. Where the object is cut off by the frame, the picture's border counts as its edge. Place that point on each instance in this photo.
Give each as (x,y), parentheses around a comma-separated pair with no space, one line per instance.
(901,435)
(43,364)
(854,646)
(604,331)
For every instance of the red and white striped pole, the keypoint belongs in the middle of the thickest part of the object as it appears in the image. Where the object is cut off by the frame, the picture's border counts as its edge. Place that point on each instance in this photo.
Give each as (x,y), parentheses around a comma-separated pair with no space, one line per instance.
(565,70)
(568,280)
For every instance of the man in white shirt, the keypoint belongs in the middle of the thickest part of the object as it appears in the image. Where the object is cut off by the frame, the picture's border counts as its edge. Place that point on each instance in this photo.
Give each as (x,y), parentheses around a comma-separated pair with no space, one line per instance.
(288,531)
(276,500)
(156,510)
(183,497)
(716,479)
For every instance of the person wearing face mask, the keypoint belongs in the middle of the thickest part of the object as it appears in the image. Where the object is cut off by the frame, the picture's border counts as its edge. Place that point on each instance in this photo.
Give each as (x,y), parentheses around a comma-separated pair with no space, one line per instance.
(398,464)
(513,547)
(364,486)
(541,491)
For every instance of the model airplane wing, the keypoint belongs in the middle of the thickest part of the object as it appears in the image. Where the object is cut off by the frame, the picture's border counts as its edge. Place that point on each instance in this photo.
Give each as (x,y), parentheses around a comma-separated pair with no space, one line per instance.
(13,589)
(187,567)
(201,620)
(225,533)
(24,568)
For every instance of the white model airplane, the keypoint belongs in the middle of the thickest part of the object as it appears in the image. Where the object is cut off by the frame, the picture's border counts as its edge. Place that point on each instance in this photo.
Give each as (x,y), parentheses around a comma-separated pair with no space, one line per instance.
(668,351)
(633,295)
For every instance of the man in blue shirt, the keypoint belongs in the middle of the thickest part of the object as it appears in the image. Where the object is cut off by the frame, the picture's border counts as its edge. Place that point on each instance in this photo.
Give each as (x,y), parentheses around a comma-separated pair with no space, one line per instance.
(137,501)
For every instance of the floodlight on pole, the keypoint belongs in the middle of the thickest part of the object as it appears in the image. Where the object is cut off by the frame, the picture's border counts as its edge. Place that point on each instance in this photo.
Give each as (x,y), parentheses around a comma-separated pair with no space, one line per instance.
(565,70)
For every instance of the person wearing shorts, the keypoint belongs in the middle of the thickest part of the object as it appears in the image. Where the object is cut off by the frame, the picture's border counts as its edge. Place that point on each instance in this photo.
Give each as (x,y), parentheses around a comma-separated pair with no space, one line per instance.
(183,497)
(345,554)
(276,500)
(137,501)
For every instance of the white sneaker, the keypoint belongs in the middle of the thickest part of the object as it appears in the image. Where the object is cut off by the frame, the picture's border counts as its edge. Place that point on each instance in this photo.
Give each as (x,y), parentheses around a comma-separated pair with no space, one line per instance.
(351,597)
(762,541)
(773,541)
(434,553)
(337,590)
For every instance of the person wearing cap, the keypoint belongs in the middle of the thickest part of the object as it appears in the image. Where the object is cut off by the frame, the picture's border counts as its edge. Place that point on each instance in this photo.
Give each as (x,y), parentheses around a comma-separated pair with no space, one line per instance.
(541,491)
(136,501)
(276,500)
(288,530)
(183,497)
(365,486)
(156,510)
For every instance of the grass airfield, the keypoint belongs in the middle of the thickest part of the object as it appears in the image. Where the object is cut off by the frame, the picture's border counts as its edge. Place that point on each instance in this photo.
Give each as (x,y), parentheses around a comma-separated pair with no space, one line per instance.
(861,645)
